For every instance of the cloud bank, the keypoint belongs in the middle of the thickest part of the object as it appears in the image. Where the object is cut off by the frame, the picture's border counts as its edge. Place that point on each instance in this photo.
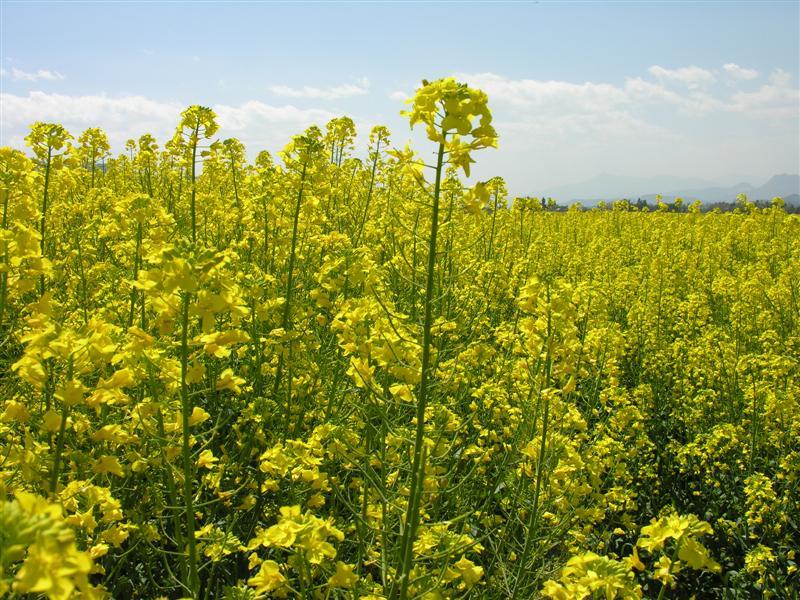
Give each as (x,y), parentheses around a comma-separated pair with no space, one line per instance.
(256,124)
(686,120)
(347,90)
(40,75)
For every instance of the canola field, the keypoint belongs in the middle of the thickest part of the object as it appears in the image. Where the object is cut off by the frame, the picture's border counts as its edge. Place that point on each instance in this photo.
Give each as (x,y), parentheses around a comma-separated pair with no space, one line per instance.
(333,373)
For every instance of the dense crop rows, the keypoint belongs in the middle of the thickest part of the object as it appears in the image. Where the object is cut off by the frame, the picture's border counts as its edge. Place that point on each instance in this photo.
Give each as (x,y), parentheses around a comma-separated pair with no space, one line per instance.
(327,377)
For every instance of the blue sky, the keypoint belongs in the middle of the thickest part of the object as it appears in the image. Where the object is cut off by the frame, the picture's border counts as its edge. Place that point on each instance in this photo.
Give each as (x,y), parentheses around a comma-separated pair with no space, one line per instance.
(692,89)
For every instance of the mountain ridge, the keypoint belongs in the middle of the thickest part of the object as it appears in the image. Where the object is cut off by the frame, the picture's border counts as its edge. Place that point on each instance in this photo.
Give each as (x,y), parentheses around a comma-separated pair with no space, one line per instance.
(614,187)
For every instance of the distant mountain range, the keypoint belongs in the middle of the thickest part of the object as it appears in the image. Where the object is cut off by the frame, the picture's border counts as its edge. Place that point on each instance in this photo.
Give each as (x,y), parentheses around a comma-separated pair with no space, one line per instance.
(616,187)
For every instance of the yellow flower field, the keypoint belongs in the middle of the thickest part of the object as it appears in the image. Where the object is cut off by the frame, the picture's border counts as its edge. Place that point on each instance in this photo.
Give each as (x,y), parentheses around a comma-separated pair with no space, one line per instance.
(327,375)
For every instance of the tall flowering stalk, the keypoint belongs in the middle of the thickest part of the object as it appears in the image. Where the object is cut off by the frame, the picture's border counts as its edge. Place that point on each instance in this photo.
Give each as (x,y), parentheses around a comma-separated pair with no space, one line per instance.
(302,157)
(46,140)
(448,110)
(197,123)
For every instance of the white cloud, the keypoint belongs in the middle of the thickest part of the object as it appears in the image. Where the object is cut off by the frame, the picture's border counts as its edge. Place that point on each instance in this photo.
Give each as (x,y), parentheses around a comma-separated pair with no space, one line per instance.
(738,72)
(256,124)
(558,123)
(614,124)
(40,75)
(262,126)
(691,76)
(561,98)
(532,93)
(568,131)
(694,102)
(639,89)
(777,99)
(346,90)
(124,115)
(780,78)
(399,96)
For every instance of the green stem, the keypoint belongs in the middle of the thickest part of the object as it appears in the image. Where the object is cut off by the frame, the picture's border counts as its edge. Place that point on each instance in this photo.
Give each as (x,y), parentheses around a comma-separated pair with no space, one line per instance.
(194,185)
(418,466)
(265,254)
(754,430)
(82,274)
(60,441)
(235,183)
(674,558)
(136,260)
(188,472)
(534,514)
(369,194)
(4,272)
(94,165)
(43,221)
(287,307)
(494,218)
(172,494)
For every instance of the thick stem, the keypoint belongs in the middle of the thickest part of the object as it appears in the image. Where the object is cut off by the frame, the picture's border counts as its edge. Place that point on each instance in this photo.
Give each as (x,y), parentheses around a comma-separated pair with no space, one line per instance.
(59,449)
(265,253)
(534,514)
(94,165)
(287,307)
(188,472)
(753,430)
(4,272)
(172,494)
(369,195)
(43,221)
(238,228)
(82,274)
(60,441)
(418,466)
(491,235)
(194,184)
(136,260)
(674,558)
(235,184)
